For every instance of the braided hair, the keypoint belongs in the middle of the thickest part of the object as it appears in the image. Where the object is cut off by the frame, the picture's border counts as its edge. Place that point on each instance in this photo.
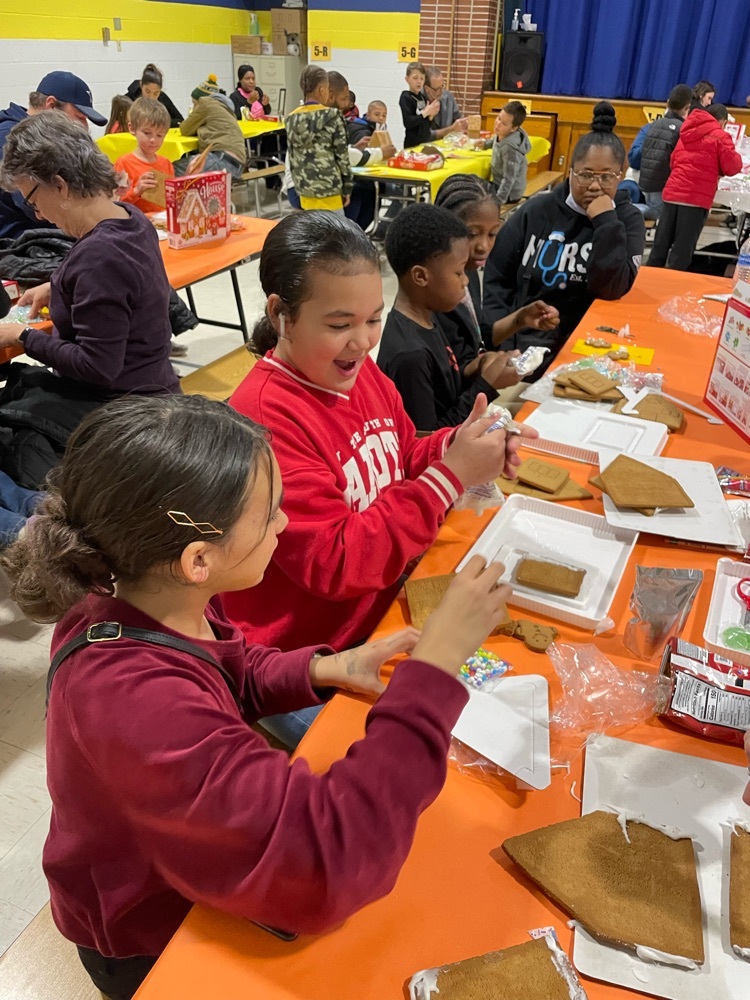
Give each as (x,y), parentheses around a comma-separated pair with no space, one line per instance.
(462,194)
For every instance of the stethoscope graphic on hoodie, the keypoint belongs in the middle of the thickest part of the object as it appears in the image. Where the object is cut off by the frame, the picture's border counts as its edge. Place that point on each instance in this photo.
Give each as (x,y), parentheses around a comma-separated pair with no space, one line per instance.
(548,260)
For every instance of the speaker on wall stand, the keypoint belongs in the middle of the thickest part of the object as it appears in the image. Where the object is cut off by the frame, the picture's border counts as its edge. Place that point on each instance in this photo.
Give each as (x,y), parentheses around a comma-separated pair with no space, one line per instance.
(521,62)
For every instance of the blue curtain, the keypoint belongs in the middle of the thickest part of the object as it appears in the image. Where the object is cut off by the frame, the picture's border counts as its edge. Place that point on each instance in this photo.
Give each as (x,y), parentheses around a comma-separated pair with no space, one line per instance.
(641,48)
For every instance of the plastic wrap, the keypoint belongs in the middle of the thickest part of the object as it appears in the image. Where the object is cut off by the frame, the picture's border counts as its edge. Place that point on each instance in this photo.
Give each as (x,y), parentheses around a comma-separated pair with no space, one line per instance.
(626,375)
(479,498)
(690,314)
(661,601)
(597,697)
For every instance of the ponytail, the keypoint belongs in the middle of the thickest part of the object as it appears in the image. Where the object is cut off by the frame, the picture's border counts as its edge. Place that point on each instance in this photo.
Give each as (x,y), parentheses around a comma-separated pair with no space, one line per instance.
(264,337)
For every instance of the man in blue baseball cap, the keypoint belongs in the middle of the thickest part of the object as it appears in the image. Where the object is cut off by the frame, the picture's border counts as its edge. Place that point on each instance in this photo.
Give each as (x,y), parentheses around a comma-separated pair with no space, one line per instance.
(57,90)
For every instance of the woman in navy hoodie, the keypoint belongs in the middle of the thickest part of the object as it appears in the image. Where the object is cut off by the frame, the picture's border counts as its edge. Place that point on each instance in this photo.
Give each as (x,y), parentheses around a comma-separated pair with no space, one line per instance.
(584,241)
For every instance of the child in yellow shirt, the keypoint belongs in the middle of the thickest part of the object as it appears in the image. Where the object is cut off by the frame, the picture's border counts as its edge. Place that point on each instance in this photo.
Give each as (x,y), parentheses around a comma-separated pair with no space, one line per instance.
(149,123)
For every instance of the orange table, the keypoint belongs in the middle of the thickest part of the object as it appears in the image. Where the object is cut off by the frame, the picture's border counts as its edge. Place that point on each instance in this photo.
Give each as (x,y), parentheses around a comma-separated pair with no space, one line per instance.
(457,895)
(187,267)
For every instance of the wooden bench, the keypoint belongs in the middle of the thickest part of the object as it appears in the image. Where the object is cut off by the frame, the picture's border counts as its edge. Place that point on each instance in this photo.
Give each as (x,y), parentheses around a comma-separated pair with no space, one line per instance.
(218,379)
(254,177)
(543,181)
(42,965)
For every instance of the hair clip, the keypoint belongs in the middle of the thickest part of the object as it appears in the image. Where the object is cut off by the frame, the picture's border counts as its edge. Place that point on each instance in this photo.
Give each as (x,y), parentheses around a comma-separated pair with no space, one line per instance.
(186,521)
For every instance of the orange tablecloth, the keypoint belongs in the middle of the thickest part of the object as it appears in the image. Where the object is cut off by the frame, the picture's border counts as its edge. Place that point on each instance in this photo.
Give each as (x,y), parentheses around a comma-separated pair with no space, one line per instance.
(185,267)
(457,895)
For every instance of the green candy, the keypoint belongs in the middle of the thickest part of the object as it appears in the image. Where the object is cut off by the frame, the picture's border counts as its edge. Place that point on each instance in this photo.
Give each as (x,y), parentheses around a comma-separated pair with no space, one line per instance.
(736,637)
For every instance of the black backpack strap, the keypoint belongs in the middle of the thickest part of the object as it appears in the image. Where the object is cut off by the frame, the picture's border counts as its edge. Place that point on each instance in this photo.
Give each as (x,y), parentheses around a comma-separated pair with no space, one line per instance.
(109,631)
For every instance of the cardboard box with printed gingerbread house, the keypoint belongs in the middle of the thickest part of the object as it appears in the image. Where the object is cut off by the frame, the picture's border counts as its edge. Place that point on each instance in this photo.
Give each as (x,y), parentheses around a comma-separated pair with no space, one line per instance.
(198,208)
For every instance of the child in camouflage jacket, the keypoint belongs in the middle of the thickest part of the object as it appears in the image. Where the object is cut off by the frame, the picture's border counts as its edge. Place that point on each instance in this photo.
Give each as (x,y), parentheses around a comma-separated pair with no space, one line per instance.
(318,148)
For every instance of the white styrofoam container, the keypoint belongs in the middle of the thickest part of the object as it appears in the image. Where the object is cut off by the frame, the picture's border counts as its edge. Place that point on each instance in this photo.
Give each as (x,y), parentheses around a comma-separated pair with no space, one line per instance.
(525,526)
(709,521)
(579,430)
(726,608)
(699,797)
(510,727)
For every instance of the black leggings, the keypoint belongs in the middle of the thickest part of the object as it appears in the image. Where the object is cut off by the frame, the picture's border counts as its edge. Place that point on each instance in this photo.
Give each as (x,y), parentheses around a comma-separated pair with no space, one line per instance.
(116,978)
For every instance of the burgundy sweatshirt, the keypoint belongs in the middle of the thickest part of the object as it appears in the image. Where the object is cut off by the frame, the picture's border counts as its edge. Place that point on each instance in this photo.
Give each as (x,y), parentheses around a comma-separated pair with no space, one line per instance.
(110,309)
(163,796)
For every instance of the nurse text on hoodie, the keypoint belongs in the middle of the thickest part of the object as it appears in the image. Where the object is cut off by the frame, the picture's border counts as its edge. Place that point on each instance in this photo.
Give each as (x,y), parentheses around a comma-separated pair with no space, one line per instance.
(552,251)
(509,165)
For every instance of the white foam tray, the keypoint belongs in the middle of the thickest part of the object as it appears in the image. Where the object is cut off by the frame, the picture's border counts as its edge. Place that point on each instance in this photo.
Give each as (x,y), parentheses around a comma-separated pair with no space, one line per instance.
(525,526)
(697,796)
(510,726)
(710,520)
(579,431)
(726,608)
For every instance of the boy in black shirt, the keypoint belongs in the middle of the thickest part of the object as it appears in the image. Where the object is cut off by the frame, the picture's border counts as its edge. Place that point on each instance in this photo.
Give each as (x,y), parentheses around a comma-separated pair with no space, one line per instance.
(417,113)
(438,376)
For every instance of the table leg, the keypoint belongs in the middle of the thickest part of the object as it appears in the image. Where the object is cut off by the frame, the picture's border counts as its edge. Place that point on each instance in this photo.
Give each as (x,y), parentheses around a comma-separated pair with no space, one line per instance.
(241,326)
(240,307)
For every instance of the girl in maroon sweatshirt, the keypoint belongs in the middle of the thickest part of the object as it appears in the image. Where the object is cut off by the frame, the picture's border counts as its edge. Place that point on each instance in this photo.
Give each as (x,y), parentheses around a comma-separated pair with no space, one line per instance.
(162,794)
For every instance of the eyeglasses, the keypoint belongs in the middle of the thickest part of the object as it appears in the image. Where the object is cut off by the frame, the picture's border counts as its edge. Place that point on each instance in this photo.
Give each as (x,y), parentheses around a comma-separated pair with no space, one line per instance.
(27,200)
(587,178)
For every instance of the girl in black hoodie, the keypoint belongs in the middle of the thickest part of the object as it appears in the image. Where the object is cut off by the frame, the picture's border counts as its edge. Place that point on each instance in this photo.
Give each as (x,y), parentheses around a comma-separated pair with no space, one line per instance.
(581,242)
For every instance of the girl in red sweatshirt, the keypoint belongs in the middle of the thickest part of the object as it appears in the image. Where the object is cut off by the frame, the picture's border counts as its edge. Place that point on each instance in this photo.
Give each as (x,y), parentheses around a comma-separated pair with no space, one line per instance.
(162,794)
(364,495)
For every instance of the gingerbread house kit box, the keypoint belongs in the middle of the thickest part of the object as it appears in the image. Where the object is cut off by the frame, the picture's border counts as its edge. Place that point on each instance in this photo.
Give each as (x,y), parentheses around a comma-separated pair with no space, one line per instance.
(728,389)
(198,208)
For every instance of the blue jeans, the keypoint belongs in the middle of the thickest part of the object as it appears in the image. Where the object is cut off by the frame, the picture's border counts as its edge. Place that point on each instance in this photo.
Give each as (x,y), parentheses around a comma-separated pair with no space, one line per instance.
(292,726)
(216,160)
(655,201)
(293,198)
(16,507)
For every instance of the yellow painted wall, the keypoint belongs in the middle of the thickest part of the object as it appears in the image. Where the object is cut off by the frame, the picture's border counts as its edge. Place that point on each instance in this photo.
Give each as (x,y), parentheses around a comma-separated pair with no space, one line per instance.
(363,29)
(142,21)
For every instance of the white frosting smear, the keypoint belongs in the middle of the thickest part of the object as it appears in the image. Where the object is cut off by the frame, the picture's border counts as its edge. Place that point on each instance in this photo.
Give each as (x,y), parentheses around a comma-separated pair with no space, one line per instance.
(741,952)
(564,969)
(664,958)
(739,824)
(423,984)
(625,816)
(649,954)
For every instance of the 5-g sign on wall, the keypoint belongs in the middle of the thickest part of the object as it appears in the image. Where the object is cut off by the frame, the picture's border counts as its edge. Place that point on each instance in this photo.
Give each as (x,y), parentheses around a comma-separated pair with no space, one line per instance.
(408,52)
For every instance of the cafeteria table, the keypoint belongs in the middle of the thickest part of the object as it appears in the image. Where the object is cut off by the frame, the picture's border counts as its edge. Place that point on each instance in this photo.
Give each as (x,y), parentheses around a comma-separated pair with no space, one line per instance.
(175,143)
(426,183)
(191,265)
(457,895)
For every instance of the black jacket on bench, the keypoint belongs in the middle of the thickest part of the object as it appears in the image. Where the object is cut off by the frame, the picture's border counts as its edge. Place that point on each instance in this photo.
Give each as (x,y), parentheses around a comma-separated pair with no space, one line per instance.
(548,250)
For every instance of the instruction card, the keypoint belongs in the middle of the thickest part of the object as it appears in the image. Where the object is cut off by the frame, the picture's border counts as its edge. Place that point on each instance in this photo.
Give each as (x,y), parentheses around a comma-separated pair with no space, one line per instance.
(728,389)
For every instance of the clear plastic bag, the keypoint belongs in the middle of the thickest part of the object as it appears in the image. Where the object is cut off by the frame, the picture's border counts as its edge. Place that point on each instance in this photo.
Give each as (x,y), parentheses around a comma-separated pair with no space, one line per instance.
(691,315)
(18,314)
(626,375)
(661,601)
(597,698)
(479,498)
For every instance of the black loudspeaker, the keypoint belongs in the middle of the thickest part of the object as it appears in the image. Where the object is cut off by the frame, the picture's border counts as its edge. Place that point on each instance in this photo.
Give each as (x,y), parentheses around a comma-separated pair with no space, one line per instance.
(521,64)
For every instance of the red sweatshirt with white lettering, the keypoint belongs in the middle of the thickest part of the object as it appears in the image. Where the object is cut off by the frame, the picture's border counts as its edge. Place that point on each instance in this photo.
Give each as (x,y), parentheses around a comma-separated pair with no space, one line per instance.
(363,494)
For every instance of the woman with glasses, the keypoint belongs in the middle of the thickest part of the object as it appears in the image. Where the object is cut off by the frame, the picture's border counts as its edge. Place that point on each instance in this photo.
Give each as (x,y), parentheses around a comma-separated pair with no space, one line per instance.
(108,299)
(584,241)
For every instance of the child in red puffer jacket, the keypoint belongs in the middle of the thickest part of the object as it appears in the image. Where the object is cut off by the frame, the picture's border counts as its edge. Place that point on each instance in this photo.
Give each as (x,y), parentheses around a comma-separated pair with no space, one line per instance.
(704,153)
